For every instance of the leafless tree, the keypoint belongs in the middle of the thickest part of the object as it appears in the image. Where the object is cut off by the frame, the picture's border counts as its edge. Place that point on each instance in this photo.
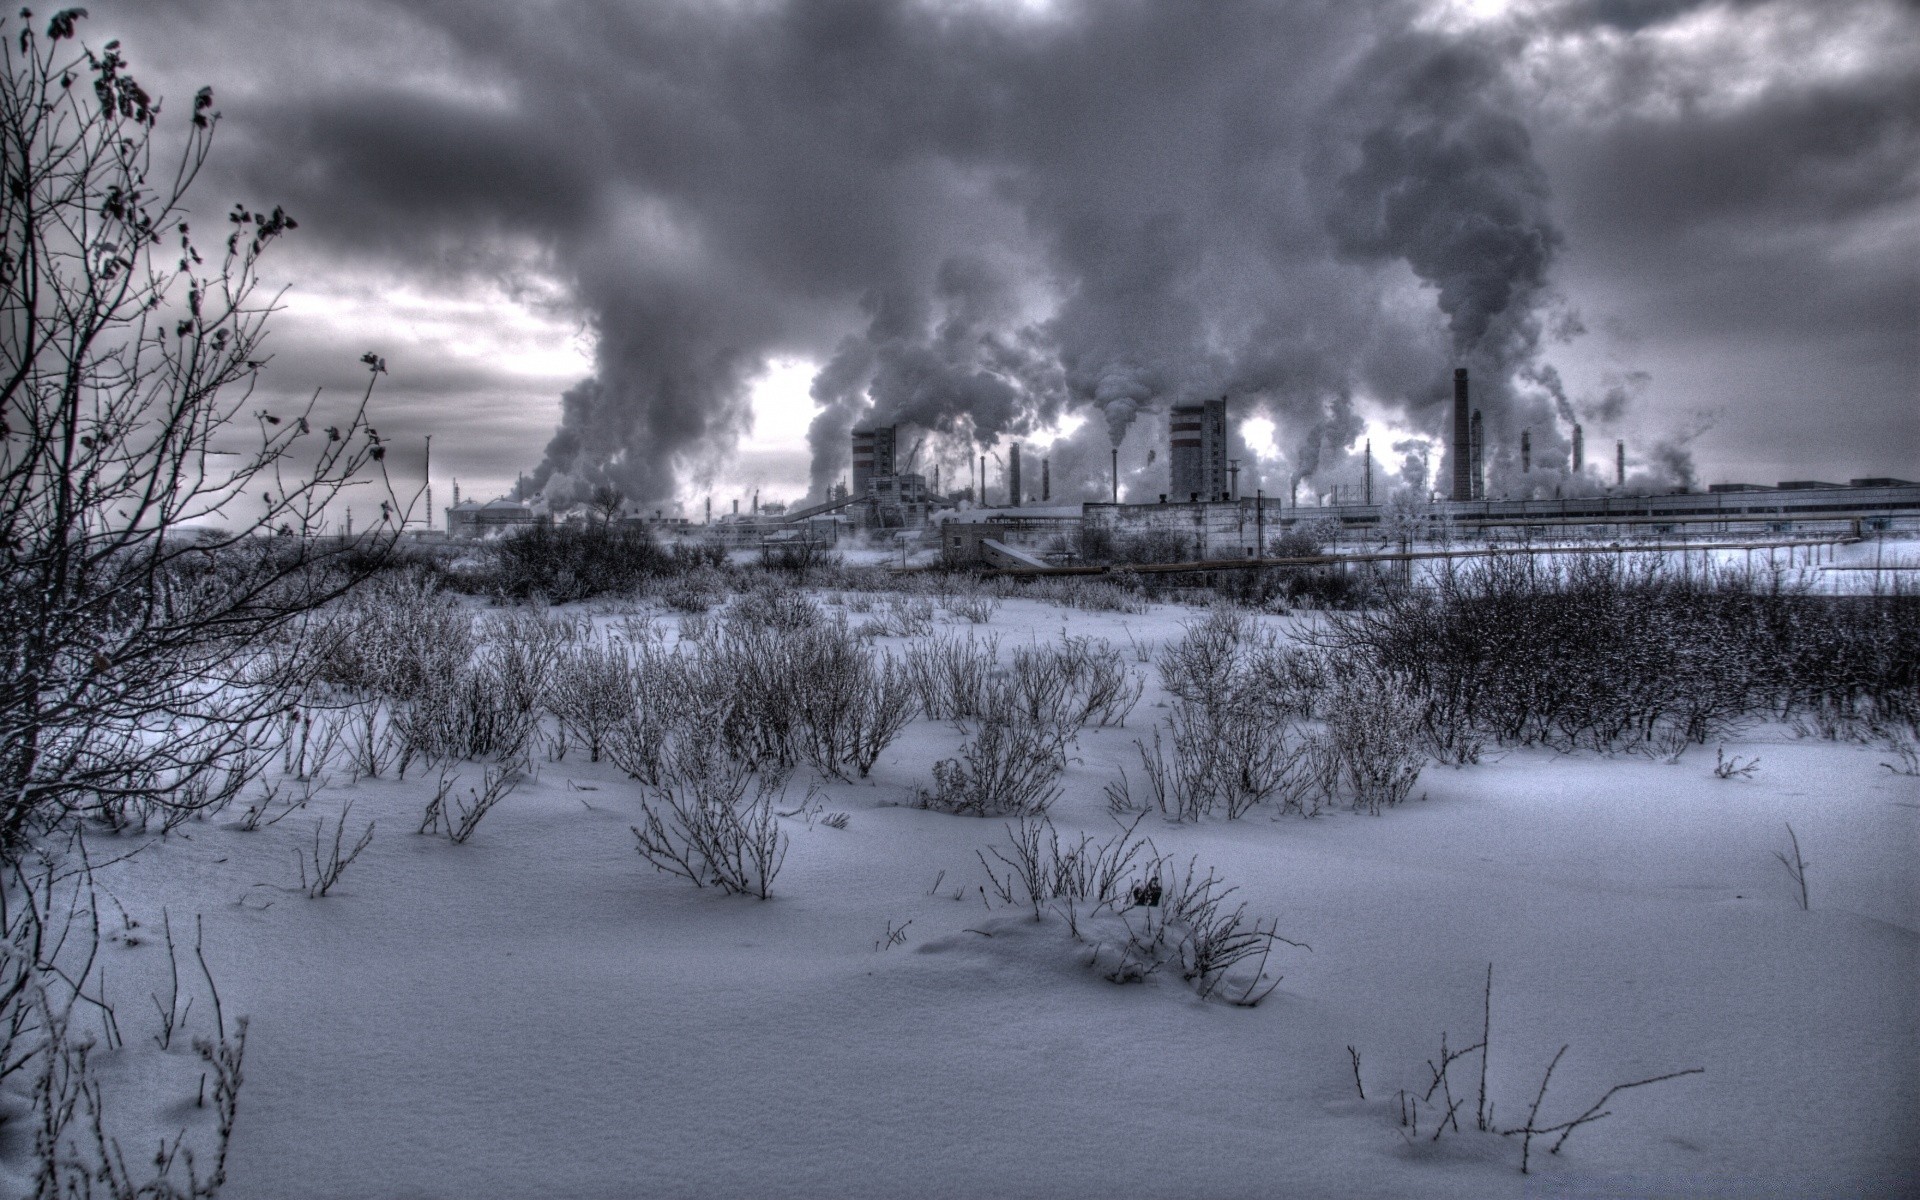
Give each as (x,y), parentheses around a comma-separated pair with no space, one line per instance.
(606,503)
(155,536)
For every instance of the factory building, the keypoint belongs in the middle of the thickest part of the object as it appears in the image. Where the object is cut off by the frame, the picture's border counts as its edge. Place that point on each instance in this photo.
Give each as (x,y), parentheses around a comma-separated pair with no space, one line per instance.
(1197,459)
(470,519)
(872,457)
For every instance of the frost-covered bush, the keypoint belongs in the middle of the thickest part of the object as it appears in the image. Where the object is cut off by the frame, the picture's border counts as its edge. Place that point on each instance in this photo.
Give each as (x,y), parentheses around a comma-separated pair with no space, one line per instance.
(1229,759)
(492,707)
(776,603)
(1374,737)
(972,606)
(593,694)
(1609,655)
(710,820)
(1088,595)
(1207,665)
(853,704)
(952,675)
(695,592)
(1007,768)
(902,616)
(397,636)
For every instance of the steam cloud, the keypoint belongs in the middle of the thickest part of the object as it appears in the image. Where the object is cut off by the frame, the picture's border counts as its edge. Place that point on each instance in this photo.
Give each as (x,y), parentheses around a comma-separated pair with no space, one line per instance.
(980,218)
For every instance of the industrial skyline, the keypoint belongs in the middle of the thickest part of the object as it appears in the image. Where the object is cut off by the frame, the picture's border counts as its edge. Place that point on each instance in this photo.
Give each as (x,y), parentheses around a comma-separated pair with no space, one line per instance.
(676,247)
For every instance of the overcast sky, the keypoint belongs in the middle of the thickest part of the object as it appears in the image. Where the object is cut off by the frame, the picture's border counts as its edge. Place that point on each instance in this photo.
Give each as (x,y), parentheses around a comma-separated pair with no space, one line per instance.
(685,246)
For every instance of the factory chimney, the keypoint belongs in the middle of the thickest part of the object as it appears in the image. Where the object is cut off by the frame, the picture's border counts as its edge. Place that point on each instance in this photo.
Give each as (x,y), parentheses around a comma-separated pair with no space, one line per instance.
(1620,464)
(1116,474)
(1013,475)
(1477,479)
(1462,434)
(1046,480)
(1526,451)
(1579,450)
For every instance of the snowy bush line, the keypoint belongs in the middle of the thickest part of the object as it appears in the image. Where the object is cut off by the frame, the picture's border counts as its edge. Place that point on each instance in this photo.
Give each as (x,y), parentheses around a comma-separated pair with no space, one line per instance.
(1601,654)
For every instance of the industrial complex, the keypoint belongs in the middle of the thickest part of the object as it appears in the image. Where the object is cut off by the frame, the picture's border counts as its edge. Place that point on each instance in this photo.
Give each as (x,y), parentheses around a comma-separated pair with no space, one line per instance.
(1012,522)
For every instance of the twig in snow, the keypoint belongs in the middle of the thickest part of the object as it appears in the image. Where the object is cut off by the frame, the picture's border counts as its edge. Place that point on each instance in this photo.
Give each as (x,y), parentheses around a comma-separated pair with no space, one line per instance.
(1796,866)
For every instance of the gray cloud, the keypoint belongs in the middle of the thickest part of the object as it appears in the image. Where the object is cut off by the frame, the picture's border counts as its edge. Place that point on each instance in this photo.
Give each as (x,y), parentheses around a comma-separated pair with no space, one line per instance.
(979,219)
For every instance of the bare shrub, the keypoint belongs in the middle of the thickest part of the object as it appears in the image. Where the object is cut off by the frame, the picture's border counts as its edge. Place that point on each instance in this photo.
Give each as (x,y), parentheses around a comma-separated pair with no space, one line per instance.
(1182,919)
(776,603)
(458,816)
(711,821)
(1007,768)
(1228,758)
(903,616)
(1081,678)
(397,636)
(1373,731)
(694,593)
(1041,871)
(593,694)
(492,707)
(951,675)
(661,698)
(972,606)
(329,864)
(1206,666)
(372,743)
(853,706)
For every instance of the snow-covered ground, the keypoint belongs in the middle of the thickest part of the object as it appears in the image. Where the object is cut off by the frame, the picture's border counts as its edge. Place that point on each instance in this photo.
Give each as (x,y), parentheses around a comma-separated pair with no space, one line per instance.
(539,1013)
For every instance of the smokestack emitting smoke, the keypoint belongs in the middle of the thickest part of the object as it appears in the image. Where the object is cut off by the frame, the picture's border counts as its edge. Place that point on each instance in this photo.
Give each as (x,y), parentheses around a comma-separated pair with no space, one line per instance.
(1620,464)
(1013,475)
(1462,435)
(1046,479)
(983,314)
(1526,451)
(1579,451)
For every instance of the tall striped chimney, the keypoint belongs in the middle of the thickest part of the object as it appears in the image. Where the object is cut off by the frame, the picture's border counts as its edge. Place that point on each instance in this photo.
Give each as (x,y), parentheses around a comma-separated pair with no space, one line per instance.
(1462,453)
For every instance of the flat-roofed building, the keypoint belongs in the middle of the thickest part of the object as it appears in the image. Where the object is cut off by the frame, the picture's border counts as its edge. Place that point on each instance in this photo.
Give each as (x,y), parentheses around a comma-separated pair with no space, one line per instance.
(872,457)
(1197,451)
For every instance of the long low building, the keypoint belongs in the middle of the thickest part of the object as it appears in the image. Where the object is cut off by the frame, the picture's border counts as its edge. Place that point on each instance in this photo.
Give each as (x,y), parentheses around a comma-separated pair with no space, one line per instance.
(1244,527)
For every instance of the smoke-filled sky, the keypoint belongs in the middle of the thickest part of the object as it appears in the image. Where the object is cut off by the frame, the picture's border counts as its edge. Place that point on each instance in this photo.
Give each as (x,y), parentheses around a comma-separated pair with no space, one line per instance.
(684,245)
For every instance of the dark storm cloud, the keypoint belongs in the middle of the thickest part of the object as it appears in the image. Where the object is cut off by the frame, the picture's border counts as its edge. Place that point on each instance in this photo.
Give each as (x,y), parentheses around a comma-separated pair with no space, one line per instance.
(979,217)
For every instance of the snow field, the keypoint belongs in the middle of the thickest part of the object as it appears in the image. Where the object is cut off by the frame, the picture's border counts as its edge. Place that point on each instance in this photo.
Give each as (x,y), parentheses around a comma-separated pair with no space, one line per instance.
(539,1013)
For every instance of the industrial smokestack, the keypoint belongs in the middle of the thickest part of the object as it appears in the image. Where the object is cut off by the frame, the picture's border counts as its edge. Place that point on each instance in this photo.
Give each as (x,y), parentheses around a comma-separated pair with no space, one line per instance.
(1526,451)
(1477,478)
(983,481)
(1462,435)
(1116,474)
(1579,450)
(1620,464)
(1013,475)
(1046,480)
(1369,478)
